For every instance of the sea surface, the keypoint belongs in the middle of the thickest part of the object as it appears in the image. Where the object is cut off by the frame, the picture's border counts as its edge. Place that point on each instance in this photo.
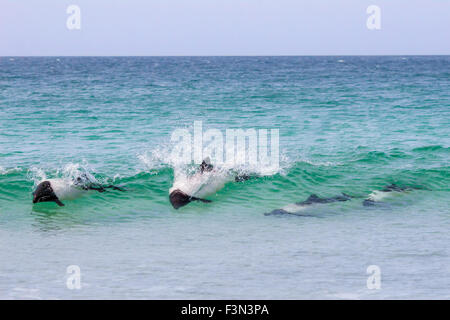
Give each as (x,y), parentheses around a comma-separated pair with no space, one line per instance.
(346,125)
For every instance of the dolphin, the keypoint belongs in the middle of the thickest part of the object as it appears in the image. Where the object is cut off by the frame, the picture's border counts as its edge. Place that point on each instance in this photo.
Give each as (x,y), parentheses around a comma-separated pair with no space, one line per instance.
(205,182)
(55,190)
(313,199)
(390,190)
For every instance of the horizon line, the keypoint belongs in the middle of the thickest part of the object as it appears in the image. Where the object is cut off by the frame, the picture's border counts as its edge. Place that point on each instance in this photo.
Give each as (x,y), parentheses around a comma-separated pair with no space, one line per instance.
(256,55)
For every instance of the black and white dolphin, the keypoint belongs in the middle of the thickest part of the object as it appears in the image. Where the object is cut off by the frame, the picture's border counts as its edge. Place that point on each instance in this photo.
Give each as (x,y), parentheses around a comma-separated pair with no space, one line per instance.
(56,190)
(205,182)
(388,191)
(313,199)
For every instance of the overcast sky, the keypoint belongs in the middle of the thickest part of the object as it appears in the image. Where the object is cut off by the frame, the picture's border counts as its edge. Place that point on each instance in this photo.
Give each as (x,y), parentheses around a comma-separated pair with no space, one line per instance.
(224,27)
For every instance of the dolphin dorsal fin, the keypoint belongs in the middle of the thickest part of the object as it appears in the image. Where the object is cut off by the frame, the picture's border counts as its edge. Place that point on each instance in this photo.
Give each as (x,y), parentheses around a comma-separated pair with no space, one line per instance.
(206,165)
(313,197)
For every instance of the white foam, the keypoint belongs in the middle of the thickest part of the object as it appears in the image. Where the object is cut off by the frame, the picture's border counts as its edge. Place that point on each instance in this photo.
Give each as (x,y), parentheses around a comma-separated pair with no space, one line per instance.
(162,157)
(4,171)
(293,208)
(37,174)
(69,172)
(200,184)
(379,195)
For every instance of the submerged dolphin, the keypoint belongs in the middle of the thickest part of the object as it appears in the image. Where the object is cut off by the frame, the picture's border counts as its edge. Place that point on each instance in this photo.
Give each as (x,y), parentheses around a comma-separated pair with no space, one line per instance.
(55,190)
(372,200)
(312,200)
(376,196)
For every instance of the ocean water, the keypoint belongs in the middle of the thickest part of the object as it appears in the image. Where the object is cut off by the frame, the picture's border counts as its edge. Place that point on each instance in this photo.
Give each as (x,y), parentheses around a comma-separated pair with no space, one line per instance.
(346,124)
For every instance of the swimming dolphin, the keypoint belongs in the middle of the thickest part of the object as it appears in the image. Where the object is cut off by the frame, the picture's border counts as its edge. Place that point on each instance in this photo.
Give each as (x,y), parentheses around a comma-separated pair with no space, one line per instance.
(205,182)
(179,199)
(55,190)
(193,188)
(390,190)
(312,200)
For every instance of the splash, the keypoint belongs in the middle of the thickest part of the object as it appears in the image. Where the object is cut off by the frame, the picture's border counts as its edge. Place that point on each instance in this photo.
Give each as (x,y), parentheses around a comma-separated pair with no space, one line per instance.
(162,157)
(4,171)
(71,172)
(156,159)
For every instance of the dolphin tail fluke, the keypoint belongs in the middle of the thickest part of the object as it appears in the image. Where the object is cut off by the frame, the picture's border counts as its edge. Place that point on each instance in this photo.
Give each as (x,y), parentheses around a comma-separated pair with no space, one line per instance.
(313,197)
(206,165)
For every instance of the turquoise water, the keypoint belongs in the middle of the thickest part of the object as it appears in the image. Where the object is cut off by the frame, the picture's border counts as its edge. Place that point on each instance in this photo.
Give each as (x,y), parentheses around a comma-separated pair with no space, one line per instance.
(347,124)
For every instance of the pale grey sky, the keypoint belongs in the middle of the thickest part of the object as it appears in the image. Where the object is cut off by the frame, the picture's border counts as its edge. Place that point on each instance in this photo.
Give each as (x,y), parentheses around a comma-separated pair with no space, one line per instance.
(224,27)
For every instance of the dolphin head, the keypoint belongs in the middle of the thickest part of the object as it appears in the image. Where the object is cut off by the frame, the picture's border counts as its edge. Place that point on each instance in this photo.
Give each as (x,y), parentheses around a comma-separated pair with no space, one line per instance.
(179,199)
(44,193)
